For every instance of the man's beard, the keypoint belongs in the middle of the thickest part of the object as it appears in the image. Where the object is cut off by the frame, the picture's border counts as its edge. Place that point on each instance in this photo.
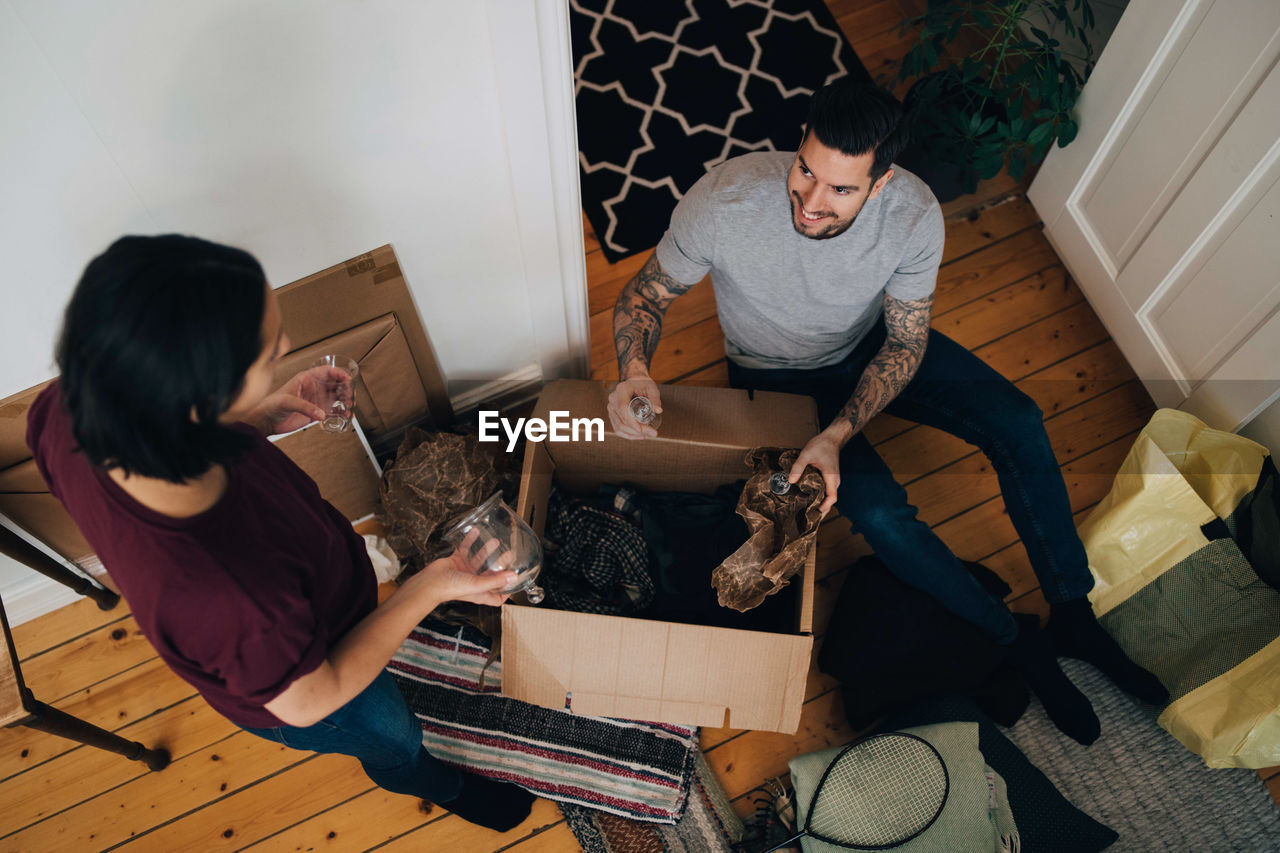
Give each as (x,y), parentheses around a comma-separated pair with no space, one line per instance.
(835,229)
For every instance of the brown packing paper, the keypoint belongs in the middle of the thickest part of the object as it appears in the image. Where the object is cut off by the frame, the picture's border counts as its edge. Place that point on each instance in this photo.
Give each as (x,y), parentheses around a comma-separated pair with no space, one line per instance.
(436,477)
(783,530)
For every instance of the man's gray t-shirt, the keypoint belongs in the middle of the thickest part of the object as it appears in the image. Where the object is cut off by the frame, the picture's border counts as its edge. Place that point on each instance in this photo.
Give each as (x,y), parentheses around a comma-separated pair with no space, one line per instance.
(786,300)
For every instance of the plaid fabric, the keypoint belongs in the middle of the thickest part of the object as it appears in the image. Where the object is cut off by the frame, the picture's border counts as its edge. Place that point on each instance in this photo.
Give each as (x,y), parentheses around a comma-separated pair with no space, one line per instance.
(597,560)
(709,825)
(636,770)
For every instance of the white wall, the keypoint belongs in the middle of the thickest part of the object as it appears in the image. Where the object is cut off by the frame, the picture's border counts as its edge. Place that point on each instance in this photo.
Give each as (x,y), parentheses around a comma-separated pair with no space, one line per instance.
(1265,428)
(306,131)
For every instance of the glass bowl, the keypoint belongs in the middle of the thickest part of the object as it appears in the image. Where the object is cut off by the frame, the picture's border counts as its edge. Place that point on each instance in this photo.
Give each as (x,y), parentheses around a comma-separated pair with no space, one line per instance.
(519,549)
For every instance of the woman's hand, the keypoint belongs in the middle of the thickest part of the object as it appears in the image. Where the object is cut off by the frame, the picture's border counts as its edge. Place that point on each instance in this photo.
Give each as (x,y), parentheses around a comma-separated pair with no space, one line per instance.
(296,403)
(459,578)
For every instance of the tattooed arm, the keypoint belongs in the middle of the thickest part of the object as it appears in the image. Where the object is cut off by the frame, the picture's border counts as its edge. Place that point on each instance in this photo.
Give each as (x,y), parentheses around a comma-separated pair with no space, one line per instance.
(637,327)
(907,326)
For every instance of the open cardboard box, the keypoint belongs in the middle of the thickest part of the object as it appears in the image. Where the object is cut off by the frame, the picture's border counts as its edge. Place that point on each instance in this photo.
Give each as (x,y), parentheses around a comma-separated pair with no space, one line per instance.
(646,669)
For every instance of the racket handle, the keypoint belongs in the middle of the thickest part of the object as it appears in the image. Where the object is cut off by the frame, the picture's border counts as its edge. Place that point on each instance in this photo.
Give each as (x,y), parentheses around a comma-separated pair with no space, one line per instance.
(786,843)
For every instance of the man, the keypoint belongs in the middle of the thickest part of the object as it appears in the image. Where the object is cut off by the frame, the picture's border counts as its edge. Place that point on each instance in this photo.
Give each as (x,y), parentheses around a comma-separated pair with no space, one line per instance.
(824,264)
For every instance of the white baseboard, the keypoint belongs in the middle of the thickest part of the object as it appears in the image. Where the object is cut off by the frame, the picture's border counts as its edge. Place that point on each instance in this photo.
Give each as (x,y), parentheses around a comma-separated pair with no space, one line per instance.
(526,380)
(34,596)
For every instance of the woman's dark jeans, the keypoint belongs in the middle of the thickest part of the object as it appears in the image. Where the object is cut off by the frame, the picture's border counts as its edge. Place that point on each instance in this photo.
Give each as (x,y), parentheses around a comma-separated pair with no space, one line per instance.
(956,392)
(378,728)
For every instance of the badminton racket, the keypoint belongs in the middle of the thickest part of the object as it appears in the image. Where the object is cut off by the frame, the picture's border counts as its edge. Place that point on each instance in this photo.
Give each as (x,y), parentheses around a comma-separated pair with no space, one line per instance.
(878,793)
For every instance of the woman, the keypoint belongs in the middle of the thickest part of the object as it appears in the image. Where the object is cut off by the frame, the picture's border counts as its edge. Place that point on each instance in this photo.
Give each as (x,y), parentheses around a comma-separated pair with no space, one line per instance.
(250,586)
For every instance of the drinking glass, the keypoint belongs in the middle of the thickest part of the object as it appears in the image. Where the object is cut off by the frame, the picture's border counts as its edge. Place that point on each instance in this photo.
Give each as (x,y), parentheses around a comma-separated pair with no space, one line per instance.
(337,395)
(642,410)
(504,543)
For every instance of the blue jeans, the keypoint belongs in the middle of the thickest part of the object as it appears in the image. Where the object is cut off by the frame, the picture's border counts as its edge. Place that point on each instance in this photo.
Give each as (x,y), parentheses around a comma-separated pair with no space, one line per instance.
(378,728)
(956,392)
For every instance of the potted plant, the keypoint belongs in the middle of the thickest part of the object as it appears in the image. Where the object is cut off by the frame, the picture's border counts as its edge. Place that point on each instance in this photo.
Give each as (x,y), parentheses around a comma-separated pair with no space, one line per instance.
(995,87)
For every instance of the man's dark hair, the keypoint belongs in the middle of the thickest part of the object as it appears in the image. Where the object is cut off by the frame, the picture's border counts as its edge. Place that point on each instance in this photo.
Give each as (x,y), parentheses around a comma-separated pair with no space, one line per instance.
(856,118)
(155,345)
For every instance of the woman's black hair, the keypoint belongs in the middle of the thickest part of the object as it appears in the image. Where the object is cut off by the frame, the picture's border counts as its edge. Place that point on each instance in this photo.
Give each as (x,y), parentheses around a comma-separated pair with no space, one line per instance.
(856,118)
(155,345)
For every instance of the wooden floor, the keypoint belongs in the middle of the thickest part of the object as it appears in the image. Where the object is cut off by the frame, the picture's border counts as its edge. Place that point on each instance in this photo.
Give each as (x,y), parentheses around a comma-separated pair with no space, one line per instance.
(1001,292)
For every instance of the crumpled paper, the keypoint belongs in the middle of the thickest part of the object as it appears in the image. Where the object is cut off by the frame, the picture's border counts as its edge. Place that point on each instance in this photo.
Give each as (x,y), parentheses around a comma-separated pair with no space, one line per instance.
(436,478)
(783,529)
(386,565)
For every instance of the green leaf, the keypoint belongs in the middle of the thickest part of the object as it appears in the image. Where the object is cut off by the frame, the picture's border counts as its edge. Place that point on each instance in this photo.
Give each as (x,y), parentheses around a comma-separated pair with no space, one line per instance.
(989,167)
(987,124)
(982,19)
(1017,166)
(1040,34)
(1040,133)
(1066,132)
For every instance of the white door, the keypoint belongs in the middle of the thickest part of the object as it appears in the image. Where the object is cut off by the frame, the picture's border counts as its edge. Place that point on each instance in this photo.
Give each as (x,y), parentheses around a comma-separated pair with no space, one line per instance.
(1166,208)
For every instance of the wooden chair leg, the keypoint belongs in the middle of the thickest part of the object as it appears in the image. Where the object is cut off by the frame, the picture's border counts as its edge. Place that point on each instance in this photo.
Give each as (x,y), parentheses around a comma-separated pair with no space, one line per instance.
(12,545)
(48,719)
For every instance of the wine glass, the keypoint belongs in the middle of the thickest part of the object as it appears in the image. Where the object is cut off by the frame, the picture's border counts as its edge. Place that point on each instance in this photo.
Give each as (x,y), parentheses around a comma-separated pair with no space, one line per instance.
(337,395)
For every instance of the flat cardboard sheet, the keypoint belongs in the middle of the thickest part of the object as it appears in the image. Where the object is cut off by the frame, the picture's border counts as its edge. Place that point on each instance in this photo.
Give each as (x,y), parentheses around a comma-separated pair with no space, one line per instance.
(647,669)
(352,293)
(341,465)
(389,392)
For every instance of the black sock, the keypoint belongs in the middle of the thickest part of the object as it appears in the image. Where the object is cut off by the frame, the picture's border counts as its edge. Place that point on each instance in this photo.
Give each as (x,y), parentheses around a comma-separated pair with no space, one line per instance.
(1067,707)
(1076,633)
(499,806)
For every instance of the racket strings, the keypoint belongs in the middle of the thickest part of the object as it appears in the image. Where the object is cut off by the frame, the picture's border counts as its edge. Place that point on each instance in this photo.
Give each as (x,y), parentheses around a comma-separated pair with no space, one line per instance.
(880,792)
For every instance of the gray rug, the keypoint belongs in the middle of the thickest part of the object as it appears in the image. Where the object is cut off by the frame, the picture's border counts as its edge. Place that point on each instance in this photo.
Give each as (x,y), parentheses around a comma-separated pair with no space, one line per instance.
(1144,784)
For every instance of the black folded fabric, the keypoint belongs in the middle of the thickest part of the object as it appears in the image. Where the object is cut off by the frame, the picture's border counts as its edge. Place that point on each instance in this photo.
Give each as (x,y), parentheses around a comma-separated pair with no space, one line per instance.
(1255,524)
(688,536)
(889,644)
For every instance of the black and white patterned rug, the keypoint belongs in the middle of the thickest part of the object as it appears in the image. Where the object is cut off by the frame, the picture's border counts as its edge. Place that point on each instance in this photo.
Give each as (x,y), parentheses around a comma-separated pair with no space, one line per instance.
(665,89)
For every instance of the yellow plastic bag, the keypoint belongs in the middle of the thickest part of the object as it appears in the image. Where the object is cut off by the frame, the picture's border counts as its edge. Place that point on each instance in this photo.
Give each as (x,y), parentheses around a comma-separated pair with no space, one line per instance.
(1186,605)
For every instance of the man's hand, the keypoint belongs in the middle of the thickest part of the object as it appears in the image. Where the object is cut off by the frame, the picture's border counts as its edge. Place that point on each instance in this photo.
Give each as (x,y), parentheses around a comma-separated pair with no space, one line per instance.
(637,326)
(823,453)
(639,385)
(295,404)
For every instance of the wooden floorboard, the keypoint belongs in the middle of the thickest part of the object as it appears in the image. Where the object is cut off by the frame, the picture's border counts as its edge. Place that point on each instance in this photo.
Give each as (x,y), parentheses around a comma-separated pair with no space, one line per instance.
(1002,293)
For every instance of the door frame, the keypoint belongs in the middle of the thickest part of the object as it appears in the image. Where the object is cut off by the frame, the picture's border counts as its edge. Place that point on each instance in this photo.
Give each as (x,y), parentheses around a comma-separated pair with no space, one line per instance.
(534,69)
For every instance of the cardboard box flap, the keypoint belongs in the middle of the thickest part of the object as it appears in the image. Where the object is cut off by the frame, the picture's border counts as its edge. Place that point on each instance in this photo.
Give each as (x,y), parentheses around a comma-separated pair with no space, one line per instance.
(24,477)
(699,415)
(353,292)
(341,465)
(658,671)
(13,425)
(703,439)
(26,501)
(389,393)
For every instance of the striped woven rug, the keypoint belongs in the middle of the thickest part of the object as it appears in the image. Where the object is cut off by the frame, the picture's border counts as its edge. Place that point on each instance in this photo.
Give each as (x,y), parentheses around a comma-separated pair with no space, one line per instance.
(632,769)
